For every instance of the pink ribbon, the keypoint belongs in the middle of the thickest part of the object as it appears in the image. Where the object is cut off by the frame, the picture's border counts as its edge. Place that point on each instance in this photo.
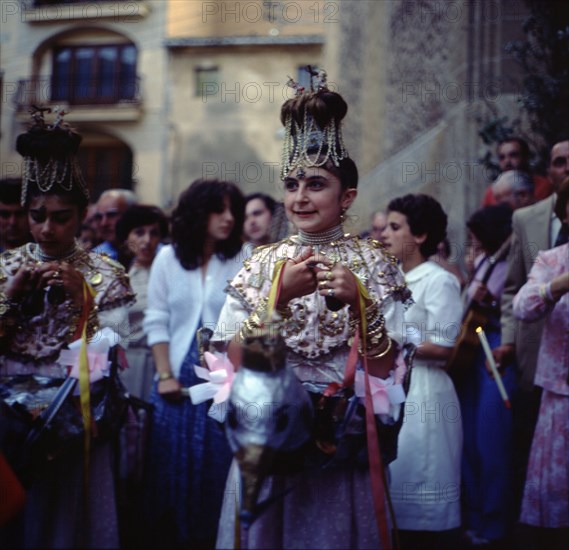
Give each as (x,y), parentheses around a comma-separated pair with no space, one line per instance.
(97,354)
(384,393)
(219,375)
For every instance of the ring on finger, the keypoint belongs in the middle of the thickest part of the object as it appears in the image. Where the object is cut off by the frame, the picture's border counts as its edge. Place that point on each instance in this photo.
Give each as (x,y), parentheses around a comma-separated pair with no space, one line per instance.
(56,274)
(329,276)
(331,292)
(324,284)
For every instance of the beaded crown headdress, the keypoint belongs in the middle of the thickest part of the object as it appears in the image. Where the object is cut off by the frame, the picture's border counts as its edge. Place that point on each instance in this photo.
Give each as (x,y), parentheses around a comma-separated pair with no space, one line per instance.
(312,121)
(49,152)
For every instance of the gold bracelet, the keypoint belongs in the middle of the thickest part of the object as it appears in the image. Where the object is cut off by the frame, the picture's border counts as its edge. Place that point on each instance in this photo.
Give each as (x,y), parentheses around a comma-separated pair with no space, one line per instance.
(382,353)
(165,376)
(284,312)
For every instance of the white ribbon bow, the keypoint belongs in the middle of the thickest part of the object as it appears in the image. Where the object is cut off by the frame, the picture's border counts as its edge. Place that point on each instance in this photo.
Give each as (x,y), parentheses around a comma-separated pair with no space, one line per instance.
(97,354)
(220,374)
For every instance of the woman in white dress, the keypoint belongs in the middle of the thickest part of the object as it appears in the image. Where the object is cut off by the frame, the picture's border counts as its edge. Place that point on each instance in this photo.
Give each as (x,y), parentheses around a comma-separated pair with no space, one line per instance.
(425,482)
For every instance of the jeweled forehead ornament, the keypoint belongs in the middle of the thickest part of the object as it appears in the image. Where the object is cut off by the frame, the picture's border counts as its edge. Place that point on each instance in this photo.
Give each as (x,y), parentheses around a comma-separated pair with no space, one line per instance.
(312,121)
(300,172)
(49,152)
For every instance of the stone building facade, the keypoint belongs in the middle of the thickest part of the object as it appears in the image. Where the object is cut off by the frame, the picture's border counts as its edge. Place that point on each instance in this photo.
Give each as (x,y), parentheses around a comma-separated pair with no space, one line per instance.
(203,95)
(420,78)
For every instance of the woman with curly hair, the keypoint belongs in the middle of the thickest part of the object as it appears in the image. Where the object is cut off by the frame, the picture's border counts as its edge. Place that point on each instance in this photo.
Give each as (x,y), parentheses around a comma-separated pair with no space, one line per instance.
(189,456)
(425,484)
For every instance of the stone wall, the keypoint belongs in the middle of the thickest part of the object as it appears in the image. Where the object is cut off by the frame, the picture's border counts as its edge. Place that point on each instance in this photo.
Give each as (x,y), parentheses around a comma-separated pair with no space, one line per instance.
(419,77)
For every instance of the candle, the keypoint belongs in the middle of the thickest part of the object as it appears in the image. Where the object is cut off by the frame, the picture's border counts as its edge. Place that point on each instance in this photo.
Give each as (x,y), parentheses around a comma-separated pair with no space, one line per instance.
(492,363)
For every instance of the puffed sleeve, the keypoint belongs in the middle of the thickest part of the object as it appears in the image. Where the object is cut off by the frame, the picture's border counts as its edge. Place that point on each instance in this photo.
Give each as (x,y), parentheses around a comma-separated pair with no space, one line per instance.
(113,296)
(232,315)
(528,304)
(444,309)
(387,284)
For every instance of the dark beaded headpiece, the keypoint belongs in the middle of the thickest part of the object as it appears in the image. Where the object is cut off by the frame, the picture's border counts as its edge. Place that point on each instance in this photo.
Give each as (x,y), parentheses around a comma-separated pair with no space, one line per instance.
(49,152)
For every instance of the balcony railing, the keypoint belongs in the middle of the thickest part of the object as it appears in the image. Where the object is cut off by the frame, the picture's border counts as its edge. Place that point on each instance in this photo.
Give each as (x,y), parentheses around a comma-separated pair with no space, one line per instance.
(81,93)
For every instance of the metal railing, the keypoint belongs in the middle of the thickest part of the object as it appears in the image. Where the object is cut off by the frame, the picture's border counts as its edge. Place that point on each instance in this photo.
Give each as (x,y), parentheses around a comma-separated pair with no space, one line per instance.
(80,92)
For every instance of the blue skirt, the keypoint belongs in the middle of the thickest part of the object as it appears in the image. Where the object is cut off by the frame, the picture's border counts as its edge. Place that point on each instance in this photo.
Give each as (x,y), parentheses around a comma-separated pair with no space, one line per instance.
(188,462)
(487,460)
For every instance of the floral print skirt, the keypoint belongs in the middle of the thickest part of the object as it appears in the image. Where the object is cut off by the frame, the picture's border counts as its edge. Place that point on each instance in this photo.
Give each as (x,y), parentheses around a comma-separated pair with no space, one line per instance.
(546,493)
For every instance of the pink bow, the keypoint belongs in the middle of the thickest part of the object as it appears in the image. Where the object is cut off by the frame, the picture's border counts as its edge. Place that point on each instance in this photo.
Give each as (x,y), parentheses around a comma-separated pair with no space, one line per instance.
(220,374)
(379,395)
(97,354)
(384,393)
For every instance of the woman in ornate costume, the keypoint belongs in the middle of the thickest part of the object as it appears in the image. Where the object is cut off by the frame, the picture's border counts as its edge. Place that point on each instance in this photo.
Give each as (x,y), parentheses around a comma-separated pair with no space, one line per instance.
(188,454)
(141,228)
(425,482)
(546,294)
(324,271)
(41,301)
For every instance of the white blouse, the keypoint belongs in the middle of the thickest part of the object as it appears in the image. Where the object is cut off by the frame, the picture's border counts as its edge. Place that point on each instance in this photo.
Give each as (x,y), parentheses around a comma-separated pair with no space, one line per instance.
(180,301)
(436,315)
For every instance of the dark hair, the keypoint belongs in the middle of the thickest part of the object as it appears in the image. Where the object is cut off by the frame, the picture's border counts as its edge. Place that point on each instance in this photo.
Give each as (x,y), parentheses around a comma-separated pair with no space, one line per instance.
(10,190)
(524,147)
(491,225)
(139,215)
(347,172)
(191,216)
(562,199)
(425,216)
(269,202)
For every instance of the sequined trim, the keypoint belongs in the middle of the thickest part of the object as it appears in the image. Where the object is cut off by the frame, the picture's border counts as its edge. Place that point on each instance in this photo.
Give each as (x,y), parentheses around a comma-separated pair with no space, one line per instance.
(313,330)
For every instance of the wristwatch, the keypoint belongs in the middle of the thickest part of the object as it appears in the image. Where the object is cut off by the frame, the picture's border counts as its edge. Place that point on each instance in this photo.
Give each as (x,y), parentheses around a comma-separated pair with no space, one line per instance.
(165,376)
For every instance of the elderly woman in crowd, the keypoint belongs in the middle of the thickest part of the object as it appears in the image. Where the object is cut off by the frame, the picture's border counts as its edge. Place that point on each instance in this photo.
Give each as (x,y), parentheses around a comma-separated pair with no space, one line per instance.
(141,228)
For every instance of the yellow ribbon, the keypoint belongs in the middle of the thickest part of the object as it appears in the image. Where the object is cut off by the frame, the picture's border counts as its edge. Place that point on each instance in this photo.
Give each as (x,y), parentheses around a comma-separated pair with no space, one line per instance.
(84,383)
(275,288)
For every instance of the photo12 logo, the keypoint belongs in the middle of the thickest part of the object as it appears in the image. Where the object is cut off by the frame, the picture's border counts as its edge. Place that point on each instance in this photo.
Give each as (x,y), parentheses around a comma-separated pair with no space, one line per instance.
(32,11)
(449,92)
(249,92)
(278,12)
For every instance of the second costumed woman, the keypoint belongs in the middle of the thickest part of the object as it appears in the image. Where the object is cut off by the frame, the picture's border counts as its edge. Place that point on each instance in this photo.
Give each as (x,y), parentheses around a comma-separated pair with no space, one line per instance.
(329,507)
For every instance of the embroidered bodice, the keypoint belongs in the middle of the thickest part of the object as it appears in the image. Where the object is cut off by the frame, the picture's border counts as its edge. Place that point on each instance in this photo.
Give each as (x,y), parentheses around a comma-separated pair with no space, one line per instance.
(45,327)
(315,331)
